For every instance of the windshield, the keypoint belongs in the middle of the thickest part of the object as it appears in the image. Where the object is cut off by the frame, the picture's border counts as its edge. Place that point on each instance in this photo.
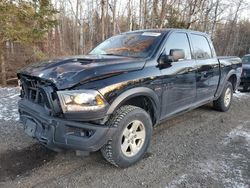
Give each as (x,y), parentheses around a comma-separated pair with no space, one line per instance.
(246,59)
(139,44)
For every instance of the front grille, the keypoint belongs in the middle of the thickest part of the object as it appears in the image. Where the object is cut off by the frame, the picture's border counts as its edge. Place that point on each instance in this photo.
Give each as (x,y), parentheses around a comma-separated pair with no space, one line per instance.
(37,91)
(31,91)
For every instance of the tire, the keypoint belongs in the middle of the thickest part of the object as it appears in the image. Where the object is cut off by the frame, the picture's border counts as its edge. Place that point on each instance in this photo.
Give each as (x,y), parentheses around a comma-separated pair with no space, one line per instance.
(224,102)
(126,119)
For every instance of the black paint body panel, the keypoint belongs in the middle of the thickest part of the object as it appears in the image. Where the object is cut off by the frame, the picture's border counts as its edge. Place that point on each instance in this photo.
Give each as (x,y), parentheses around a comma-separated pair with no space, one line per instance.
(173,88)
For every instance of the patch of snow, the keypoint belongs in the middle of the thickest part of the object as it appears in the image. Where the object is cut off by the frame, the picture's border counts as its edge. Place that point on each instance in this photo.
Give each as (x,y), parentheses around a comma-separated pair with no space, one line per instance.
(217,170)
(9,97)
(179,181)
(240,132)
(237,156)
(224,168)
(239,94)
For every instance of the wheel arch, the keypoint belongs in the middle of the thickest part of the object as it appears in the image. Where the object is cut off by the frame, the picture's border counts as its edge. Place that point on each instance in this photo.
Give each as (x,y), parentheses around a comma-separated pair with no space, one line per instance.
(231,76)
(137,93)
(233,79)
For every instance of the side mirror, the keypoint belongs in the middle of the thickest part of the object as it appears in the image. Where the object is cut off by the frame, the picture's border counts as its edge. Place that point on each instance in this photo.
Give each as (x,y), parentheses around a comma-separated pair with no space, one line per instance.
(177,54)
(174,55)
(164,59)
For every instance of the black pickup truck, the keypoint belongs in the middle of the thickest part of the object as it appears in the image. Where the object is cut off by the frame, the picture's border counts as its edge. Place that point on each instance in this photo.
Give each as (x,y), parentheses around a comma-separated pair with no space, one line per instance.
(111,99)
(245,77)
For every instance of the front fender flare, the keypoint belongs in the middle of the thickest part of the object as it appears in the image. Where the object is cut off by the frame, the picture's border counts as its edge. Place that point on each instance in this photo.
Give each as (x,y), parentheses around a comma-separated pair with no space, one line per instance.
(135,92)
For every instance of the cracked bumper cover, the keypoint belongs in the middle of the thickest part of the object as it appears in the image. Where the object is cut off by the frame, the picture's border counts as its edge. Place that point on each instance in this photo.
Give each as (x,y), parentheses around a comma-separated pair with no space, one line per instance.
(58,133)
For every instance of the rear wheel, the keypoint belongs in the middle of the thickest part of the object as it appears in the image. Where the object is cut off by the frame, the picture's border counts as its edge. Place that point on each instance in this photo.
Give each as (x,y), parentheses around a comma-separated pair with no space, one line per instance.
(131,141)
(223,103)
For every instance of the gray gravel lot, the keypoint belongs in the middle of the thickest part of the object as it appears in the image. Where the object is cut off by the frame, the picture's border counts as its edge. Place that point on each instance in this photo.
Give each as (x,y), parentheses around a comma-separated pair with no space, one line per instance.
(202,148)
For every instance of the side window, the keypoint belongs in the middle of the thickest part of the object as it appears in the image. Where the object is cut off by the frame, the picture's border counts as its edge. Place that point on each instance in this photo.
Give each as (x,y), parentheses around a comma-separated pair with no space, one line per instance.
(201,47)
(178,41)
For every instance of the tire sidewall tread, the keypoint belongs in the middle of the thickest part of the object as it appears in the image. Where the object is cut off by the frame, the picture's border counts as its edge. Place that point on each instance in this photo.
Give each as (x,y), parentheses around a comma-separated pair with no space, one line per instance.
(121,118)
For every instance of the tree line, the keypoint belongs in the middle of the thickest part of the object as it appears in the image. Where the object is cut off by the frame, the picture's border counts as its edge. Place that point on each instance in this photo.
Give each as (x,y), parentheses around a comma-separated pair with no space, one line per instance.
(32,30)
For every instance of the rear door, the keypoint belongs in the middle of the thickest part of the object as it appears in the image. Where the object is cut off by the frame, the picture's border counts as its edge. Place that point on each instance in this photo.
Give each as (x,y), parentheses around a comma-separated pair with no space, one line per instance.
(207,76)
(179,78)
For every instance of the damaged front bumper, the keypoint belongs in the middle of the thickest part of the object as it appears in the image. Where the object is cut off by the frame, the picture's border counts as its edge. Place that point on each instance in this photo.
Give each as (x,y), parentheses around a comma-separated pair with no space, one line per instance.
(57,133)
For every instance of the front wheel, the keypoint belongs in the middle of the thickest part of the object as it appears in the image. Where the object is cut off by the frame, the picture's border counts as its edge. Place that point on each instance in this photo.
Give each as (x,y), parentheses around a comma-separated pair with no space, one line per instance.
(223,103)
(131,141)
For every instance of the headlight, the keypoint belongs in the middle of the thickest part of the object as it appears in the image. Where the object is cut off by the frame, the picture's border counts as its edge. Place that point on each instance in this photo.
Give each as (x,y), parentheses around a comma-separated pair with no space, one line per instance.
(81,100)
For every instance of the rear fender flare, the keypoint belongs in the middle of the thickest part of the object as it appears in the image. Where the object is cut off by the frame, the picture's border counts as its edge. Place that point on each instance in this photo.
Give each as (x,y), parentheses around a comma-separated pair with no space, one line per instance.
(220,89)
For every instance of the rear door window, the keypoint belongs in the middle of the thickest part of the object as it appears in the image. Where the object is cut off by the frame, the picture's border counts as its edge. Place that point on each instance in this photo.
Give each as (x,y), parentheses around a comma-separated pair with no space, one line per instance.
(201,48)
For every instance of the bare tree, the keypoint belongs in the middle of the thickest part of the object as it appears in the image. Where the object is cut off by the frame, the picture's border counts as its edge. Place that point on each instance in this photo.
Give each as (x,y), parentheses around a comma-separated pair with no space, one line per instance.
(102,18)
(84,24)
(3,68)
(145,13)
(232,26)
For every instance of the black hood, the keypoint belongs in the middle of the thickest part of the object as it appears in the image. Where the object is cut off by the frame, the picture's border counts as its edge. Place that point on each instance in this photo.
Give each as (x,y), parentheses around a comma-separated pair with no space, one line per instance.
(67,72)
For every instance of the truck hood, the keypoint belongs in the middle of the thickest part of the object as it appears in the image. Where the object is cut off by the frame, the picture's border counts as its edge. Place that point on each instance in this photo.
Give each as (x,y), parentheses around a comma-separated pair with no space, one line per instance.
(70,71)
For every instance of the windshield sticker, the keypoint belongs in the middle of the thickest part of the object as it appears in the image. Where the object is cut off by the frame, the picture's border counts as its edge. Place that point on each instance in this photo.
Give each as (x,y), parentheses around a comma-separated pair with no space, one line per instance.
(151,34)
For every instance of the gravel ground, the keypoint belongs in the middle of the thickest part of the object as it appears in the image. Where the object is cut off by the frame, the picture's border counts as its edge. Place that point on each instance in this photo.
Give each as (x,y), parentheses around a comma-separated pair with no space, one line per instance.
(202,148)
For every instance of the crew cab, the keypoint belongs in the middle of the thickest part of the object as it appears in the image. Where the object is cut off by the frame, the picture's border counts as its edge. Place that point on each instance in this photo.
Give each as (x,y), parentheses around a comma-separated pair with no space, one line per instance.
(111,99)
(245,77)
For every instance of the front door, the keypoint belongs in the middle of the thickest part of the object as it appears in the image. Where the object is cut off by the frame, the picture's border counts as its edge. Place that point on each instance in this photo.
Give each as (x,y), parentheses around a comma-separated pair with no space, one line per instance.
(178,78)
